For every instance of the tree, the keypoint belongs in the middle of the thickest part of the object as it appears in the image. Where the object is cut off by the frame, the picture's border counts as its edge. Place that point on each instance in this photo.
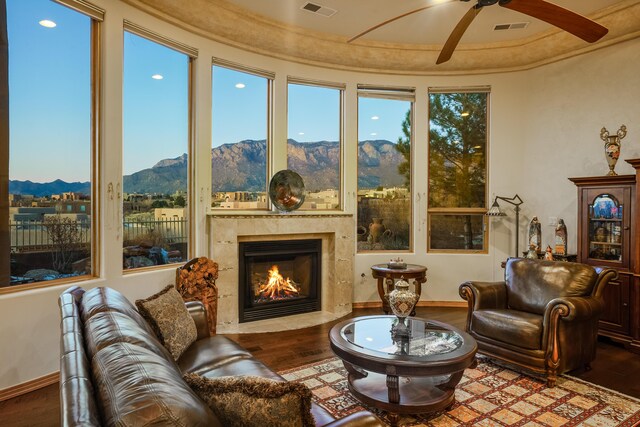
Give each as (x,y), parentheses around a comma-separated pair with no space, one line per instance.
(64,234)
(180,201)
(404,147)
(159,204)
(457,139)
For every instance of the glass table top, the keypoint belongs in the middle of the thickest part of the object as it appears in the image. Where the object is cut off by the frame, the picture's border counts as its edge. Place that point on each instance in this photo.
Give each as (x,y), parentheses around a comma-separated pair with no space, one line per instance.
(413,337)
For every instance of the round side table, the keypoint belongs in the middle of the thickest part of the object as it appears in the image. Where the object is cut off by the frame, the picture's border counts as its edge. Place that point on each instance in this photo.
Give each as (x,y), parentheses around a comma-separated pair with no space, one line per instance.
(388,276)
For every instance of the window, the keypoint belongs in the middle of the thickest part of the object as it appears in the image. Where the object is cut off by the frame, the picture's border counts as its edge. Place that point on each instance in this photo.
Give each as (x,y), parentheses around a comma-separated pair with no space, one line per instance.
(315,141)
(384,169)
(52,126)
(458,135)
(155,150)
(240,138)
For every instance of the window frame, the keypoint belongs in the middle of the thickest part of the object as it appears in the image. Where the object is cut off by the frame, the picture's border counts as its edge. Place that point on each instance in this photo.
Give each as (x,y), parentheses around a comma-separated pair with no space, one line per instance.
(341,87)
(270,77)
(396,93)
(192,55)
(96,15)
(464,210)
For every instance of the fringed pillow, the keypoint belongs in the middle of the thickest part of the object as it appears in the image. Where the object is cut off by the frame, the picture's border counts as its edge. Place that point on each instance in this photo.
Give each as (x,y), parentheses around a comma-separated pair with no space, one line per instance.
(250,401)
(170,319)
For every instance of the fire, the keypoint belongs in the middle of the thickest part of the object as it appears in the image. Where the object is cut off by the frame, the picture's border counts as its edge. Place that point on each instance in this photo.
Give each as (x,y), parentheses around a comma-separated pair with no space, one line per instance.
(277,287)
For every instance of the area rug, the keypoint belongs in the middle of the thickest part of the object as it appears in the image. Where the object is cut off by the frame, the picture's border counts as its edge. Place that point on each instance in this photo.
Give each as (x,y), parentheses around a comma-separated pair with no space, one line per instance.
(489,395)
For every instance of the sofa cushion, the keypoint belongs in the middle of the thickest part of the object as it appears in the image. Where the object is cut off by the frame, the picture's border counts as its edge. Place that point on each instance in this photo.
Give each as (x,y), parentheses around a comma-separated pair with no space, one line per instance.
(518,328)
(531,284)
(109,327)
(208,353)
(250,401)
(168,316)
(136,387)
(98,300)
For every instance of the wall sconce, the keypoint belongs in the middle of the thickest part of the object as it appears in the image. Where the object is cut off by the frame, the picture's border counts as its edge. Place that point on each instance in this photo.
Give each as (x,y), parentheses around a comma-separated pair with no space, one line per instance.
(496,211)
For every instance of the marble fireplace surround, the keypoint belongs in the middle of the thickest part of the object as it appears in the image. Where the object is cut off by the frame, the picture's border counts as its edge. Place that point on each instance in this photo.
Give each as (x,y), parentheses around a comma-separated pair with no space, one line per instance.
(226,230)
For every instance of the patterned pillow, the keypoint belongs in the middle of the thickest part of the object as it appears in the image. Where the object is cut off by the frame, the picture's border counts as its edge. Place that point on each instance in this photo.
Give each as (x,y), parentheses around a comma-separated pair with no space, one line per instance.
(250,401)
(169,318)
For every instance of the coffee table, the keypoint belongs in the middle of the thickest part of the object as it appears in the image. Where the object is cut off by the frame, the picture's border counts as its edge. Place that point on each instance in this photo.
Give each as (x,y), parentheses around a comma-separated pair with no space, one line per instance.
(409,367)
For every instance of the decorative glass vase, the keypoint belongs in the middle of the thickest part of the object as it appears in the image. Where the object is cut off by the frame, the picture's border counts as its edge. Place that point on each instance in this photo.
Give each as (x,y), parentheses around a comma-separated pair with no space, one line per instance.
(402,300)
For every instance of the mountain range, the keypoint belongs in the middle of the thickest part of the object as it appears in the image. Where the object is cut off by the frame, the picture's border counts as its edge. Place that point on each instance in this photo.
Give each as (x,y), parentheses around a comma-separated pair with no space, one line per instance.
(242,166)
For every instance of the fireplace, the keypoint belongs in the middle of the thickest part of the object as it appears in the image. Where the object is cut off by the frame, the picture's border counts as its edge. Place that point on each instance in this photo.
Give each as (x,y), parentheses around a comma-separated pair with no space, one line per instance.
(279,278)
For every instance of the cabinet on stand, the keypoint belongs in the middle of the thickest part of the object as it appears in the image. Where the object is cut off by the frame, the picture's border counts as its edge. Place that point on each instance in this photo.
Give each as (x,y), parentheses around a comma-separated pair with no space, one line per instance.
(608,224)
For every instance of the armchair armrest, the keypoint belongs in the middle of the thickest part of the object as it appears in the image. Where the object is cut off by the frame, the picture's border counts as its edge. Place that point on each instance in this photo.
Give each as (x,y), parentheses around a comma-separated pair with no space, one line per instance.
(575,308)
(484,295)
(199,315)
(358,419)
(605,275)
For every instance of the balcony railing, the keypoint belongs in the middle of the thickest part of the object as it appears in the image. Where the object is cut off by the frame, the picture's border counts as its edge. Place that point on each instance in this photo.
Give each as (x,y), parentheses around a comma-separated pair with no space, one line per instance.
(33,236)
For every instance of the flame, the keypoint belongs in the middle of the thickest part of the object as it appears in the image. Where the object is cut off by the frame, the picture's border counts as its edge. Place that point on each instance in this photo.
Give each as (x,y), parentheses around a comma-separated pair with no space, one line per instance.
(277,287)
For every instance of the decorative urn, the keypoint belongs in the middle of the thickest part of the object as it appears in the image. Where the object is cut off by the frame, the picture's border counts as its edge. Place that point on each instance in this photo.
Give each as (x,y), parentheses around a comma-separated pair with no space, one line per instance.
(402,300)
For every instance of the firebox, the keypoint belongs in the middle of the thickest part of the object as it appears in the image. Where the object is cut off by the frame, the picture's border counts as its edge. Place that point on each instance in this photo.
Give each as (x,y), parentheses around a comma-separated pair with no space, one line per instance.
(279,278)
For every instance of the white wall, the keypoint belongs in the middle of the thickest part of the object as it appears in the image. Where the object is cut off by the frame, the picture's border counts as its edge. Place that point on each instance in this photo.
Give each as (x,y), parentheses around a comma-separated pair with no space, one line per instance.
(544,127)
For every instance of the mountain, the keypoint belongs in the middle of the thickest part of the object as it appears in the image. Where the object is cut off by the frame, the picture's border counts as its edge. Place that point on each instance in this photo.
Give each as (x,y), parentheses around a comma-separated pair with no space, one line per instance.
(48,188)
(242,166)
(165,177)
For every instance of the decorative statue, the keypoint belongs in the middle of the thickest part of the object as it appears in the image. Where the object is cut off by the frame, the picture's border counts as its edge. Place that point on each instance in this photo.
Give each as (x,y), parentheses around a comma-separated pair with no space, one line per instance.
(612,146)
(535,234)
(561,238)
(548,254)
(532,254)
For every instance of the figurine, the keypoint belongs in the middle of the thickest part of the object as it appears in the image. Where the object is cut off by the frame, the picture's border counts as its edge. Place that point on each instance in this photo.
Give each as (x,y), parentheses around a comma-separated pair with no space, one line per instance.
(561,238)
(548,254)
(535,234)
(532,254)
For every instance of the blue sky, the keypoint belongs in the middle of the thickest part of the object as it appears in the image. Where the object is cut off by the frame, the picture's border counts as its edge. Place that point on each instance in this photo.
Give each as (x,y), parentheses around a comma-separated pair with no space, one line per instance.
(50,95)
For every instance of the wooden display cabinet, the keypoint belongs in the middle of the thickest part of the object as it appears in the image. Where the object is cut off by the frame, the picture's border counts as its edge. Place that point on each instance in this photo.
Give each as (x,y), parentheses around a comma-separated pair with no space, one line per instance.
(608,223)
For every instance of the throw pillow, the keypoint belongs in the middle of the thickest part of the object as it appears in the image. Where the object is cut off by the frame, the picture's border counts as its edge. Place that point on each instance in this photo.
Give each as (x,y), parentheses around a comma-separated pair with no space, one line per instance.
(250,401)
(170,319)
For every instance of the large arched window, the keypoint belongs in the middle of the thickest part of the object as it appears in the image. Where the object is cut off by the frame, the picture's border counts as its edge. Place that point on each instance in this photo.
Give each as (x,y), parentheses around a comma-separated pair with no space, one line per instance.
(385,117)
(48,226)
(156,144)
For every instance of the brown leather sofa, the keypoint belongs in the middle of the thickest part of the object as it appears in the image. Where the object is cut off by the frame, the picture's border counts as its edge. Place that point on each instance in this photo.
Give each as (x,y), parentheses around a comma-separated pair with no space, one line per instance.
(114,371)
(543,316)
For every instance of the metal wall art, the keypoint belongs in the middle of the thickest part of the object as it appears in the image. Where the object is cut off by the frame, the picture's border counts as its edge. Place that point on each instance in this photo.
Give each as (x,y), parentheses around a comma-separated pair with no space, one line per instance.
(286,190)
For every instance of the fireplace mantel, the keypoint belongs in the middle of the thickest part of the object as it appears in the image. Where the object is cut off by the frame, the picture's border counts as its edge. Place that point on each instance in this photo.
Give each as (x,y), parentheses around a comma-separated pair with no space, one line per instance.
(338,248)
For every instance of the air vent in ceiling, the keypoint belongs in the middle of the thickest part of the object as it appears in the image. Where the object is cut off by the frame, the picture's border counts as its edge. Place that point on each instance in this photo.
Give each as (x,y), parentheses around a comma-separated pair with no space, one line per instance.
(318,9)
(512,26)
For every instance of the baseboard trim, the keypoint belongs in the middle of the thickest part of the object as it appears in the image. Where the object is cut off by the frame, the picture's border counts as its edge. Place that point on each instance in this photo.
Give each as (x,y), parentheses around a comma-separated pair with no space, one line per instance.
(443,304)
(29,386)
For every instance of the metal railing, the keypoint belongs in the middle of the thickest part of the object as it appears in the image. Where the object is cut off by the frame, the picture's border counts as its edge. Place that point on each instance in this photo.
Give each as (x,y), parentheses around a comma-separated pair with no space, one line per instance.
(33,236)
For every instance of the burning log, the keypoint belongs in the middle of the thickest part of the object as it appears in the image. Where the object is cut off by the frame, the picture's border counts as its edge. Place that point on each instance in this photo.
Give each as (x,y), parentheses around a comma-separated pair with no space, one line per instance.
(277,287)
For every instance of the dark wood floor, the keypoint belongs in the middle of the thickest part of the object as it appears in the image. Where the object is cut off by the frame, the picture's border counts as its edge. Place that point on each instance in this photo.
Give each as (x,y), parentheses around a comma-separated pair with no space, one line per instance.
(614,368)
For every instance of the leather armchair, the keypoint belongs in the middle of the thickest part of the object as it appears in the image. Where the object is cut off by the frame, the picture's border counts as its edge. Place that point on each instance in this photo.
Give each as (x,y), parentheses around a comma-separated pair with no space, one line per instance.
(542,317)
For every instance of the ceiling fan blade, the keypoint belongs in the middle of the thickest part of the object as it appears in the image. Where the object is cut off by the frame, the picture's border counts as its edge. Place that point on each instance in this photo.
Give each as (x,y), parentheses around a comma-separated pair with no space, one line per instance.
(569,21)
(388,21)
(455,36)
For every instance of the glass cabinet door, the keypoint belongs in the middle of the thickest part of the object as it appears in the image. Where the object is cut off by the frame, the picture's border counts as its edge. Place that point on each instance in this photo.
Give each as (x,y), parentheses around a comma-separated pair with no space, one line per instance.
(605,228)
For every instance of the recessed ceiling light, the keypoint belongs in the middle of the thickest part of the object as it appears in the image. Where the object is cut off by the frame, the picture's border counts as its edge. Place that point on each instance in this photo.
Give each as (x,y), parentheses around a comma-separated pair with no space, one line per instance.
(374,117)
(47,23)
(373,134)
(157,77)
(300,133)
(240,85)
(464,114)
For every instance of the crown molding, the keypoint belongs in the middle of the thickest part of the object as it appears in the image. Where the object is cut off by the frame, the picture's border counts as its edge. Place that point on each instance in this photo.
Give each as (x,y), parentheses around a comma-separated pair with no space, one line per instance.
(227,23)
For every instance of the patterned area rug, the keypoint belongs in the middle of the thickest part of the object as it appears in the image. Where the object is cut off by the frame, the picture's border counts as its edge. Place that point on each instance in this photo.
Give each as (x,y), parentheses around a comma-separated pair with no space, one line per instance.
(489,395)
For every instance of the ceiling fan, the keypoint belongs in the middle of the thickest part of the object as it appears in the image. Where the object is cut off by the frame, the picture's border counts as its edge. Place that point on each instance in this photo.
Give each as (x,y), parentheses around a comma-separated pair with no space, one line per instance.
(560,17)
